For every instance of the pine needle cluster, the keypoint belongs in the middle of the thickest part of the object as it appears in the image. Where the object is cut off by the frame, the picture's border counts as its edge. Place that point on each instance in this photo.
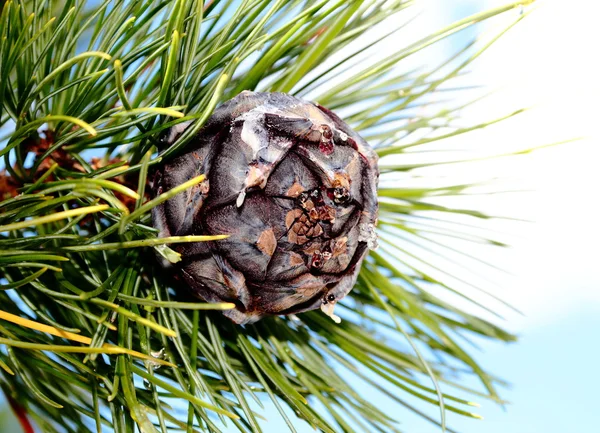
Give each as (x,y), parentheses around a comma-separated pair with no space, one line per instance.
(95,337)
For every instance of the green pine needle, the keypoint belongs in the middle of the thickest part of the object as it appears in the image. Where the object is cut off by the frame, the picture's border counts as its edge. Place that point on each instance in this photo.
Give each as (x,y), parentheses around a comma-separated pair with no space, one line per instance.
(89,87)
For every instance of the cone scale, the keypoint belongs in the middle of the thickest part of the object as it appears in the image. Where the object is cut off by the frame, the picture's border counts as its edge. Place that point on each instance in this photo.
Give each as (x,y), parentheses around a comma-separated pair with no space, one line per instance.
(293,186)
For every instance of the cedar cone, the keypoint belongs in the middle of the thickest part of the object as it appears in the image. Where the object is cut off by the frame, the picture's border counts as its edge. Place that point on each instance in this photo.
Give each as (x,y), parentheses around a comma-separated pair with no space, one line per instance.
(296,191)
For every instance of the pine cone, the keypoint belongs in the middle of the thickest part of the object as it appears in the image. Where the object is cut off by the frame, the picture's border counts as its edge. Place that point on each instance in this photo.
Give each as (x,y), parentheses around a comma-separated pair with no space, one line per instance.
(296,190)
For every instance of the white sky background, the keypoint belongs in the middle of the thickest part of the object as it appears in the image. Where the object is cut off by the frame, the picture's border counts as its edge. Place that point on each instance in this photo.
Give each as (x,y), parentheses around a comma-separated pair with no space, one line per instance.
(548,61)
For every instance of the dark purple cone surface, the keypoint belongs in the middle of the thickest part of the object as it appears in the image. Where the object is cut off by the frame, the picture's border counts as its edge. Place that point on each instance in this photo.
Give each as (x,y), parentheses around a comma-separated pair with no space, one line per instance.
(296,191)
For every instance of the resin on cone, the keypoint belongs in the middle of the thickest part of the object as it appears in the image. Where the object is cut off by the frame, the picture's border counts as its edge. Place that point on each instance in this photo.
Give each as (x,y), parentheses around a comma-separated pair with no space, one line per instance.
(296,191)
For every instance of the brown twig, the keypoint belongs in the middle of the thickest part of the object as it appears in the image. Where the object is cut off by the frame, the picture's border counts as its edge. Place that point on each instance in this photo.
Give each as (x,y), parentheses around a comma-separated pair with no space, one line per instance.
(21,415)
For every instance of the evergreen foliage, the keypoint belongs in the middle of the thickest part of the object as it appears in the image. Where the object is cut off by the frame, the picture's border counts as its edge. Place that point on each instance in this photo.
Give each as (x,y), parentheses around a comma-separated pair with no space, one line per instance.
(94,337)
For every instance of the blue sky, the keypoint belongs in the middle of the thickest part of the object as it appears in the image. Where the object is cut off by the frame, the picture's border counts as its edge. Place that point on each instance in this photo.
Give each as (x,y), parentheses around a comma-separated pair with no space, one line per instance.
(553,371)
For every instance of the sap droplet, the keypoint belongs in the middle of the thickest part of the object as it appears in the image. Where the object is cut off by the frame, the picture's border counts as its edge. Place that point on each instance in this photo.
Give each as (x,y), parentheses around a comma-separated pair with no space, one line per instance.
(240,200)
(158,354)
(368,234)
(328,310)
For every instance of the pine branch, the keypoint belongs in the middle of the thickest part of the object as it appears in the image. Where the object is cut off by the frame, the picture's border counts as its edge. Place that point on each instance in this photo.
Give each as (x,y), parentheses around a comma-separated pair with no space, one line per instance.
(86,91)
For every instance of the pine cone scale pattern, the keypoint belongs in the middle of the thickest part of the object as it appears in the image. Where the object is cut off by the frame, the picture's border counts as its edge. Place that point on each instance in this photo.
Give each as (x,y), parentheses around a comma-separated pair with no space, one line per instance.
(294,188)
